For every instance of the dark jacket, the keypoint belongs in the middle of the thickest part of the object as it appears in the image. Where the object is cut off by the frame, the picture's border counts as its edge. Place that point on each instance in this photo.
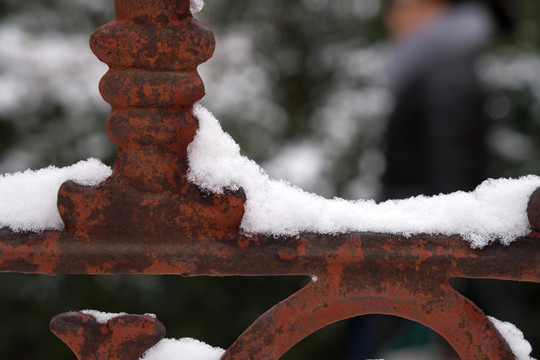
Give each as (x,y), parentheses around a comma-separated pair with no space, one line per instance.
(436,136)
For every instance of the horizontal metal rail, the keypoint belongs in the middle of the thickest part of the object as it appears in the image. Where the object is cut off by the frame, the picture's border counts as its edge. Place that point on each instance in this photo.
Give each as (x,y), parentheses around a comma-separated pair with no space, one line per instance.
(353,274)
(442,257)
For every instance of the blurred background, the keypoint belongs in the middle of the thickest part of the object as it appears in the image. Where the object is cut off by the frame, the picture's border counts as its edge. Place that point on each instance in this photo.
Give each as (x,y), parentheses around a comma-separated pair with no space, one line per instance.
(298,85)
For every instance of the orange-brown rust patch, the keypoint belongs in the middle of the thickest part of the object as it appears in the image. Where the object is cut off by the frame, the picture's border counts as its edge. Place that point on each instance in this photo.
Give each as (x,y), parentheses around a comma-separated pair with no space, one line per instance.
(287,254)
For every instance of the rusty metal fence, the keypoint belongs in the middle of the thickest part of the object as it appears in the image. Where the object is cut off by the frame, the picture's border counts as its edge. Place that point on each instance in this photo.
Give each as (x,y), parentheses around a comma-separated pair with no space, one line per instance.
(147,218)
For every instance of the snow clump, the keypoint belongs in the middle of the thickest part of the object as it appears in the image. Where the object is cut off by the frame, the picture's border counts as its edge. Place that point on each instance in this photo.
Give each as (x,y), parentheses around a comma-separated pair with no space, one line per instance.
(105,317)
(196,6)
(28,199)
(496,210)
(515,339)
(183,349)
(102,317)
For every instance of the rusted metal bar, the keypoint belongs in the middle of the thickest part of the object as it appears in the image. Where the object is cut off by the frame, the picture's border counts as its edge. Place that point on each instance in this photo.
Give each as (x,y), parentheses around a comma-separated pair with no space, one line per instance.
(355,274)
(148,219)
(56,253)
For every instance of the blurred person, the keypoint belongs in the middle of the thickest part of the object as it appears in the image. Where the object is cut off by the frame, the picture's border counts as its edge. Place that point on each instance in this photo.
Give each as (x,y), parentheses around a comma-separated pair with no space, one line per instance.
(436,136)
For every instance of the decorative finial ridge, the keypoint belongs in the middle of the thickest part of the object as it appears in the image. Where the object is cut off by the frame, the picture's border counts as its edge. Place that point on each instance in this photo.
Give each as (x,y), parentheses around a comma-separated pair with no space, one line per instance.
(153,48)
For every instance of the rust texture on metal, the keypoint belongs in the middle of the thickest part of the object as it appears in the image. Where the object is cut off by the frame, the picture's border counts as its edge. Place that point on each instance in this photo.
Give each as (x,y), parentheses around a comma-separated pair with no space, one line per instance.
(355,274)
(125,337)
(533,211)
(148,219)
(153,48)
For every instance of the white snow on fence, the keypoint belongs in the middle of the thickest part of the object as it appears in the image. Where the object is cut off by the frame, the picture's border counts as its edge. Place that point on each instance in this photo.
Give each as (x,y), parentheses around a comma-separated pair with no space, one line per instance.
(102,317)
(183,349)
(105,317)
(515,339)
(196,5)
(28,199)
(496,210)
